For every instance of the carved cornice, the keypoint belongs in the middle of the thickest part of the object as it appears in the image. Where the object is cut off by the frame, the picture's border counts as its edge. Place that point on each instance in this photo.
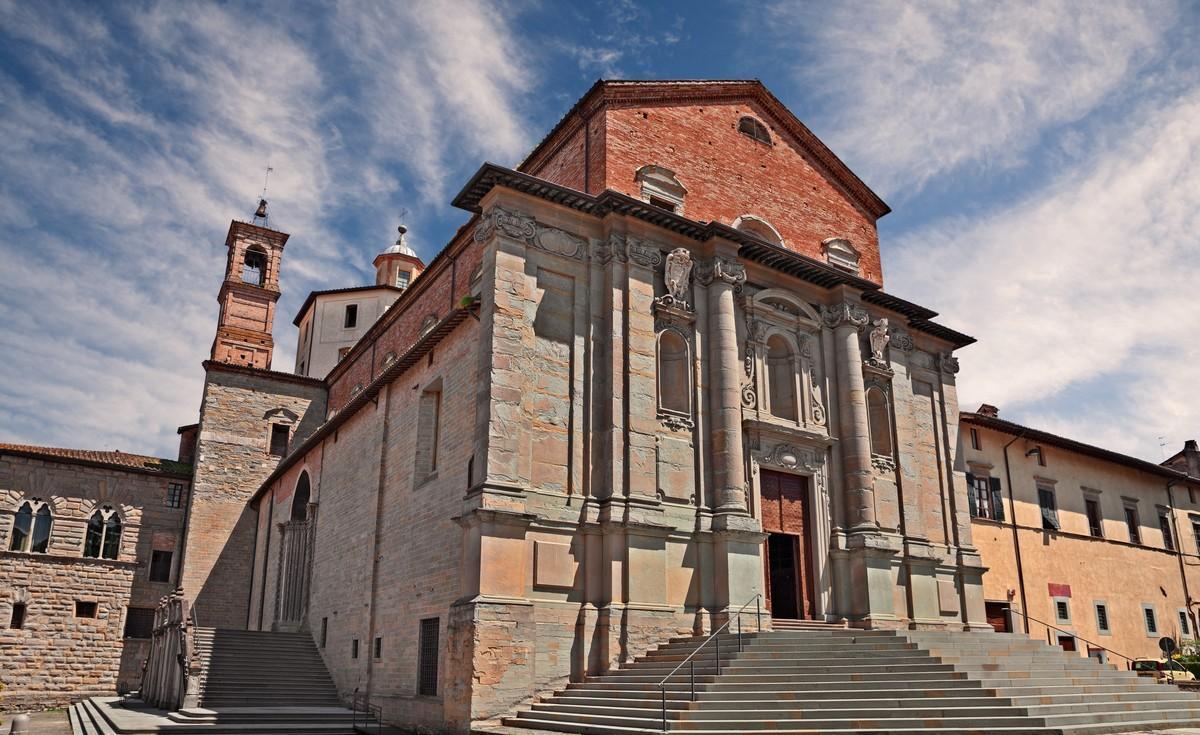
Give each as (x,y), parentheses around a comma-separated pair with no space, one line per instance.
(642,254)
(949,364)
(611,249)
(720,269)
(844,313)
(901,340)
(524,228)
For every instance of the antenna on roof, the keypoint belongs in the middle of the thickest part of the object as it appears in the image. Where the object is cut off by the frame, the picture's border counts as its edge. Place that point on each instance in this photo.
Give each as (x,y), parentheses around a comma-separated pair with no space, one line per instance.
(1162,446)
(261,212)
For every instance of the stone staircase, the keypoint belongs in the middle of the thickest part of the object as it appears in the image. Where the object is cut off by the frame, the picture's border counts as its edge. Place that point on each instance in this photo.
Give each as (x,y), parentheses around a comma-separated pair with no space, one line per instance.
(813,678)
(248,668)
(252,682)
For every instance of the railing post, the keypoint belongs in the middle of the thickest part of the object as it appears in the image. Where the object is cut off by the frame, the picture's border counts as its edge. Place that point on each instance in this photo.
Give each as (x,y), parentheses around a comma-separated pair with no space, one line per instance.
(663,689)
(758,611)
(692,667)
(740,649)
(718,641)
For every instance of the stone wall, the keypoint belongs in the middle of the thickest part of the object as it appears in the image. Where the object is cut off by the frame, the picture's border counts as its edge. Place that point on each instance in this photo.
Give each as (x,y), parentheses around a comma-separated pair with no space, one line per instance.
(57,657)
(238,409)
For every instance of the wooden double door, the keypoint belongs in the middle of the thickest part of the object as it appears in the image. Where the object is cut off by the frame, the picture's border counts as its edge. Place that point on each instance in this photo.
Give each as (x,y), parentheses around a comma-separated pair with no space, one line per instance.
(787,519)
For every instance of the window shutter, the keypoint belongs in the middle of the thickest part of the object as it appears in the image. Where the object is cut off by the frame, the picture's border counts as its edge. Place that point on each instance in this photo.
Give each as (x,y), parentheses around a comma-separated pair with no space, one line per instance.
(971,495)
(997,499)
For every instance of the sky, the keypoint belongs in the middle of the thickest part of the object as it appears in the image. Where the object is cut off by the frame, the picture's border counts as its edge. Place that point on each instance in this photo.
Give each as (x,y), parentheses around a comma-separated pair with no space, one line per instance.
(1042,160)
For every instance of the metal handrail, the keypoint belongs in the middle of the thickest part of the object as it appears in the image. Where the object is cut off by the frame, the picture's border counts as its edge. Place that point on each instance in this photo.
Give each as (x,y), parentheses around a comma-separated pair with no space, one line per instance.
(372,713)
(1029,617)
(662,685)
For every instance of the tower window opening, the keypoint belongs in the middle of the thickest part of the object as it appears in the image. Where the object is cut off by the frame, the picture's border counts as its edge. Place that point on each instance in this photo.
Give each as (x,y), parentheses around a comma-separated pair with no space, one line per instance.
(351,319)
(402,279)
(254,266)
(280,433)
(17,621)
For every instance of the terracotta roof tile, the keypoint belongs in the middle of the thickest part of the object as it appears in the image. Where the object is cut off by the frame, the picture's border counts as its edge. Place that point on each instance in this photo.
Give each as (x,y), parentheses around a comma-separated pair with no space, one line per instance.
(119,460)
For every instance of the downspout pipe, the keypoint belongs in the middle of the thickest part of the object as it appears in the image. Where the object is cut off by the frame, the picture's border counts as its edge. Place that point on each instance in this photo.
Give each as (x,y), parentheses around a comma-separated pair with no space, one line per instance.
(1187,596)
(1012,510)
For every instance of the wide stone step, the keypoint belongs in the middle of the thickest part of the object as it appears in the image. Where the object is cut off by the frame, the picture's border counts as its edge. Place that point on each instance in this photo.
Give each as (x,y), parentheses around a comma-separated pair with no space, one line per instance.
(697,722)
(755,711)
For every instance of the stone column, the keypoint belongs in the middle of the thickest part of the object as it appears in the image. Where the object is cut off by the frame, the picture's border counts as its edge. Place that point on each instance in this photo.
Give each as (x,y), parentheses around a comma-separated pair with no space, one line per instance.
(729,474)
(846,319)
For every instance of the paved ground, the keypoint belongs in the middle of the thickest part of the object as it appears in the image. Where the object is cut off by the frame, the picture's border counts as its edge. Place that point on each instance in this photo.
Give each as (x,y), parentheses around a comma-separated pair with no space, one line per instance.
(54,722)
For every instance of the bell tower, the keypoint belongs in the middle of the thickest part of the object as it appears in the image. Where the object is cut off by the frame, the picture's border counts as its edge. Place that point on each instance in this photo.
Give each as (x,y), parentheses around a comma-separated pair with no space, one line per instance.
(248,293)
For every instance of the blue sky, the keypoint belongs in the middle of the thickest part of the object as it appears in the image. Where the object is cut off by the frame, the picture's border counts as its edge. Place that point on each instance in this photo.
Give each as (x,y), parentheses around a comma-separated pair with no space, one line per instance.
(1042,160)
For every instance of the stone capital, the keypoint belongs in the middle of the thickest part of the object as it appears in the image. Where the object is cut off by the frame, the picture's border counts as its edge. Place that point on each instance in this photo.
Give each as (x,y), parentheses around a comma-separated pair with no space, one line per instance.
(844,313)
(720,269)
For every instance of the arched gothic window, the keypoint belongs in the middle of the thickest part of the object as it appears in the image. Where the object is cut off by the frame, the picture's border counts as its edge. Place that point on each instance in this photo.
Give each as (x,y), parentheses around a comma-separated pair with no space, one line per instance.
(31,527)
(254,266)
(755,129)
(300,498)
(781,379)
(103,539)
(674,375)
(879,421)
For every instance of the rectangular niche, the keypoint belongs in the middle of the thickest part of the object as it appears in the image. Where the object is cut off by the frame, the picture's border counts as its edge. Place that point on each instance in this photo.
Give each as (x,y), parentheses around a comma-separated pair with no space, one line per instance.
(676,469)
(553,565)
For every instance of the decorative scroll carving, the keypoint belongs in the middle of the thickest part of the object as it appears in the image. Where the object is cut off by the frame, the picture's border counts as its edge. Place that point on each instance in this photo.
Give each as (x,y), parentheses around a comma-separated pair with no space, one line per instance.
(833,316)
(721,269)
(520,226)
(648,256)
(749,359)
(791,457)
(804,340)
(675,422)
(901,340)
(818,409)
(882,463)
(749,397)
(949,363)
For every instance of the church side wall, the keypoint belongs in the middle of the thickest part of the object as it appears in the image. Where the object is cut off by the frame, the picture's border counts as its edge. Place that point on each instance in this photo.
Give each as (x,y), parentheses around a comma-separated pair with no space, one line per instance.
(57,657)
(370,464)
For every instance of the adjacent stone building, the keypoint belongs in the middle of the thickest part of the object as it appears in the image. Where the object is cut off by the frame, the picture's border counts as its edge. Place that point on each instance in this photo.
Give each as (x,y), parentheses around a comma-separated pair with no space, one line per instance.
(89,541)
(1100,550)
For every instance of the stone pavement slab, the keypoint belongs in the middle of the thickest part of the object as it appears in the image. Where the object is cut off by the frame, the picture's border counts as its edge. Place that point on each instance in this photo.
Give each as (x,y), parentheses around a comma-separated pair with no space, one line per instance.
(53,722)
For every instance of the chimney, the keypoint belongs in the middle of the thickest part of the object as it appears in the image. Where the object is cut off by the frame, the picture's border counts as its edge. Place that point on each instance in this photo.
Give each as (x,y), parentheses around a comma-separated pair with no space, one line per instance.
(1191,453)
(987,409)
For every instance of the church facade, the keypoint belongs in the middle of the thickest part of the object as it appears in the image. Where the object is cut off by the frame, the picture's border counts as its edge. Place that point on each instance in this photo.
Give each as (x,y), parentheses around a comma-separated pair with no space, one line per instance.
(654,382)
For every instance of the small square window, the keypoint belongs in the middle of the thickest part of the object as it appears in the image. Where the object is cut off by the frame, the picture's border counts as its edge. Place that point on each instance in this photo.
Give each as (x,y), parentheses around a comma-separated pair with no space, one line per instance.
(1062,610)
(1164,524)
(427,658)
(324,631)
(139,622)
(175,495)
(85,609)
(351,319)
(975,439)
(661,203)
(1133,524)
(160,566)
(1184,627)
(1151,621)
(280,433)
(377,651)
(354,648)
(1049,509)
(1095,520)
(1102,618)
(17,620)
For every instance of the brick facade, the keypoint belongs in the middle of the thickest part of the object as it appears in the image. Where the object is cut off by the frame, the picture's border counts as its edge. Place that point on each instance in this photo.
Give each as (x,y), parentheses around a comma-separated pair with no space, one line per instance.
(56,657)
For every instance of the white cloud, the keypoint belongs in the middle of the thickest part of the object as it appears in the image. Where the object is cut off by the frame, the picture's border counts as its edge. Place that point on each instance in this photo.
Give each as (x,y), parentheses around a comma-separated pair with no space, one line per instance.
(445,83)
(1083,292)
(914,90)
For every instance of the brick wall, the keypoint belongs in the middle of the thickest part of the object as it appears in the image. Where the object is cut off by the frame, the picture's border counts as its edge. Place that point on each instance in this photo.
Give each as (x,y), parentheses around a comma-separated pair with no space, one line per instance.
(56,657)
(238,408)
